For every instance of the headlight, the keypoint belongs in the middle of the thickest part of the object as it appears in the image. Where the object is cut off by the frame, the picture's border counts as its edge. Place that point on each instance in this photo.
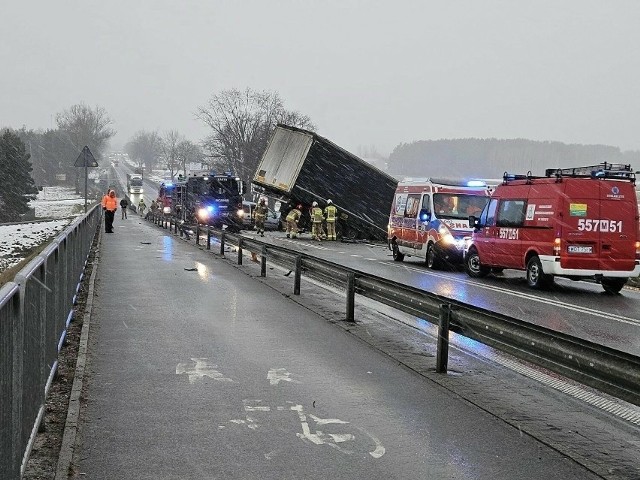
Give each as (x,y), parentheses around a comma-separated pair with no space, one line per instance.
(141,191)
(448,239)
(166,210)
(203,213)
(241,213)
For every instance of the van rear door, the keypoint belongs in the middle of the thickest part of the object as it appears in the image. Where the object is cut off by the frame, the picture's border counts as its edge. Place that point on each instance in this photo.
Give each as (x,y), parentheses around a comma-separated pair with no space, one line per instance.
(618,225)
(579,224)
(600,225)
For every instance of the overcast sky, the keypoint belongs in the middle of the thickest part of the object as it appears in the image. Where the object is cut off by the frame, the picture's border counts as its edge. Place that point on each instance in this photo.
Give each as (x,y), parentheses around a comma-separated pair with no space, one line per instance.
(366,72)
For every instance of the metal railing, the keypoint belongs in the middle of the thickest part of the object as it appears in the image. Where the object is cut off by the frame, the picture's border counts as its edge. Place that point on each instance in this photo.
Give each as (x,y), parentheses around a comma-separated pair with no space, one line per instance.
(611,371)
(35,312)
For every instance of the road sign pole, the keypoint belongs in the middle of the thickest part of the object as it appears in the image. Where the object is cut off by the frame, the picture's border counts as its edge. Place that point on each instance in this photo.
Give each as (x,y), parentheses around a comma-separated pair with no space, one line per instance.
(86,160)
(86,181)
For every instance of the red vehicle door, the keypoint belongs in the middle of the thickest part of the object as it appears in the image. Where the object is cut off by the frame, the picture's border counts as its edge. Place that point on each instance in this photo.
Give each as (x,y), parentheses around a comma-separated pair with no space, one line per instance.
(618,225)
(507,241)
(484,239)
(581,215)
(411,223)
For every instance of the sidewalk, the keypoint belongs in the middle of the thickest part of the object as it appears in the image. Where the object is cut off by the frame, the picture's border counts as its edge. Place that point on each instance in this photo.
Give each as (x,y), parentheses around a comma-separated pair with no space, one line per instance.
(199,369)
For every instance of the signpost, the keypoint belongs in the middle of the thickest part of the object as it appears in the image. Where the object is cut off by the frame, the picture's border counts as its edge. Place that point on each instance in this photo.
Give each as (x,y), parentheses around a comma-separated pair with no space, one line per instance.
(86,160)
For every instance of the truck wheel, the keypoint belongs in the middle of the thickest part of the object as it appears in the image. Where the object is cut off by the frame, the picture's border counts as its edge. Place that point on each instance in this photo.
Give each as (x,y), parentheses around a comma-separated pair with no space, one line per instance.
(613,285)
(397,256)
(536,278)
(473,267)
(432,260)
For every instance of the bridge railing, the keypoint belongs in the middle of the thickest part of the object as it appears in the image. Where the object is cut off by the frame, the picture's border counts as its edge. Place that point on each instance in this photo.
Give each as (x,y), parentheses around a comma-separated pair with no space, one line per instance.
(35,312)
(611,371)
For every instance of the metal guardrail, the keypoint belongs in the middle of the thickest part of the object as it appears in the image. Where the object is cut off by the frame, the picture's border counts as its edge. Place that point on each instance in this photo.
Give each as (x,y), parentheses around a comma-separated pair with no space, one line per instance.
(35,312)
(608,370)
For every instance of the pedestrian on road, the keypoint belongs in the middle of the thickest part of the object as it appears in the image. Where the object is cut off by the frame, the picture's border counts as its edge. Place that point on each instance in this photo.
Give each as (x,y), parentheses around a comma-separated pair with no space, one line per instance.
(316,219)
(330,212)
(141,207)
(260,215)
(109,205)
(292,221)
(124,203)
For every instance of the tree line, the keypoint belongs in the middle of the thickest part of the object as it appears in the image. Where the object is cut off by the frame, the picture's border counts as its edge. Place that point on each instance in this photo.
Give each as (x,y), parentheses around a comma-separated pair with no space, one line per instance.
(240,124)
(490,158)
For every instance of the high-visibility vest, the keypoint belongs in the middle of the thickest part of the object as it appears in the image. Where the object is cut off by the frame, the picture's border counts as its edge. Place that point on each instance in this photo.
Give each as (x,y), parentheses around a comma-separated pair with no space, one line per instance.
(316,212)
(110,203)
(331,212)
(293,215)
(261,211)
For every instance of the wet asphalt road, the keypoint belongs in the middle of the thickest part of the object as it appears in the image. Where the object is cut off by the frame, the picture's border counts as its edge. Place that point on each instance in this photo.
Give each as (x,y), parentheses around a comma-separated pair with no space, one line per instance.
(198,370)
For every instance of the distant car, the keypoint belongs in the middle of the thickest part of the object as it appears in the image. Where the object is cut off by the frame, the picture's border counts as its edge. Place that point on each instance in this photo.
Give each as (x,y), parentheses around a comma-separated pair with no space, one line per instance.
(272,222)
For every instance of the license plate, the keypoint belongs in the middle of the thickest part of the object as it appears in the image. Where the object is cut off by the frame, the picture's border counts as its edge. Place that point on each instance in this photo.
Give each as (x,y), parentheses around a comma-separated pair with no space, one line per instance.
(580,249)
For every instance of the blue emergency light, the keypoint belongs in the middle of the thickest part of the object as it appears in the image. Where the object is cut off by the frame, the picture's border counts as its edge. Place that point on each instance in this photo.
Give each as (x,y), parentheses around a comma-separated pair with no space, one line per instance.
(476,183)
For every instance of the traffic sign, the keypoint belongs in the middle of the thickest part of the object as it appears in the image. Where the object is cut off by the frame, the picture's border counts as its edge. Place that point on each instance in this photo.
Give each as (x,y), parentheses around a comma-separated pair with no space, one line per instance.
(86,159)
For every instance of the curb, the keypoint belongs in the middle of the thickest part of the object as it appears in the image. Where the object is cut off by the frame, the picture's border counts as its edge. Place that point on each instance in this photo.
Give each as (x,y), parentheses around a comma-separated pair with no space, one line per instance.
(73,414)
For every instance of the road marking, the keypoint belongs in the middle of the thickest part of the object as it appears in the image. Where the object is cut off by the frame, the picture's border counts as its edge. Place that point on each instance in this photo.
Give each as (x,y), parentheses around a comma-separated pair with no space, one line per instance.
(529,296)
(317,437)
(277,375)
(200,368)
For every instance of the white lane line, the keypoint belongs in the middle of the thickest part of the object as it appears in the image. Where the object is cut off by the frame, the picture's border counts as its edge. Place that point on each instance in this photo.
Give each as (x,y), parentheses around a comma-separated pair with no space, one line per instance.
(535,298)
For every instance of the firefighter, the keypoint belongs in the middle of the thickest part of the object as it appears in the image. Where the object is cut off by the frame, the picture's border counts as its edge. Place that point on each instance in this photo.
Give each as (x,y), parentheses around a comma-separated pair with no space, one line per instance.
(109,205)
(292,221)
(141,207)
(316,219)
(260,213)
(330,213)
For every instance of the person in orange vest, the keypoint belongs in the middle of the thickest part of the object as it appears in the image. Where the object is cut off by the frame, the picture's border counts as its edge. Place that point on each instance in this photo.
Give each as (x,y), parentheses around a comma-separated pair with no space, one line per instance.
(109,205)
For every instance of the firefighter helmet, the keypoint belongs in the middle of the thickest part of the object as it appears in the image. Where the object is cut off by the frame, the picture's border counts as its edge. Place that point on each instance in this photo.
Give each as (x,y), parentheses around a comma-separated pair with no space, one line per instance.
(329,202)
(299,207)
(314,204)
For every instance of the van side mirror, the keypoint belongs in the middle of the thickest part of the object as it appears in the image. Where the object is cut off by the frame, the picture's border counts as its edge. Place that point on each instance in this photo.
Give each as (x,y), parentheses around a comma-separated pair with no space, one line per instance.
(474,222)
(424,215)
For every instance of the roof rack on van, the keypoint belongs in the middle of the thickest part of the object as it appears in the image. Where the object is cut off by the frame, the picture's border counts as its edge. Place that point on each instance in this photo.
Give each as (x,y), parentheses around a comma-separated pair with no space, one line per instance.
(618,171)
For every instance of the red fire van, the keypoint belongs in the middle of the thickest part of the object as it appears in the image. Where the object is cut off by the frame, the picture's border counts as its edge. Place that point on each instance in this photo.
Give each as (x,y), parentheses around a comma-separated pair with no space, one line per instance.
(574,222)
(429,218)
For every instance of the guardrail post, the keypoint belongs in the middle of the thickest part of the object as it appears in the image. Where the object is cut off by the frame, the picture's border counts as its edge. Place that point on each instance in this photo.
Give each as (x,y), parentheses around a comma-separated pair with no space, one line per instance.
(208,237)
(175,226)
(298,274)
(351,296)
(240,251)
(197,234)
(263,261)
(222,244)
(442,353)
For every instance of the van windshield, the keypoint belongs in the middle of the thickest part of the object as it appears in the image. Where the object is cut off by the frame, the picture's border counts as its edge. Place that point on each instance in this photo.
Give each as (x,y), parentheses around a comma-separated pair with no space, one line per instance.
(452,205)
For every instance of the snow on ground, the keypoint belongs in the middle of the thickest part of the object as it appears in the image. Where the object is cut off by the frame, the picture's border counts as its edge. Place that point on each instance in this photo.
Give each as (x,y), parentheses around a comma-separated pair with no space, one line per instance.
(60,204)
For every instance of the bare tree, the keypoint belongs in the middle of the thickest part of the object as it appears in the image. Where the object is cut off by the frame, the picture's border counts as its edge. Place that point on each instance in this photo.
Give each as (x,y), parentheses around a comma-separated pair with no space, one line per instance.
(241,123)
(170,152)
(145,148)
(86,126)
(188,152)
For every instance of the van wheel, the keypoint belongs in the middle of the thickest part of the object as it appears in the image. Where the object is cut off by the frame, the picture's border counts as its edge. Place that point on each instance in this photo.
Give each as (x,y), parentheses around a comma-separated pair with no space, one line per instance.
(473,267)
(432,260)
(613,285)
(536,278)
(397,256)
